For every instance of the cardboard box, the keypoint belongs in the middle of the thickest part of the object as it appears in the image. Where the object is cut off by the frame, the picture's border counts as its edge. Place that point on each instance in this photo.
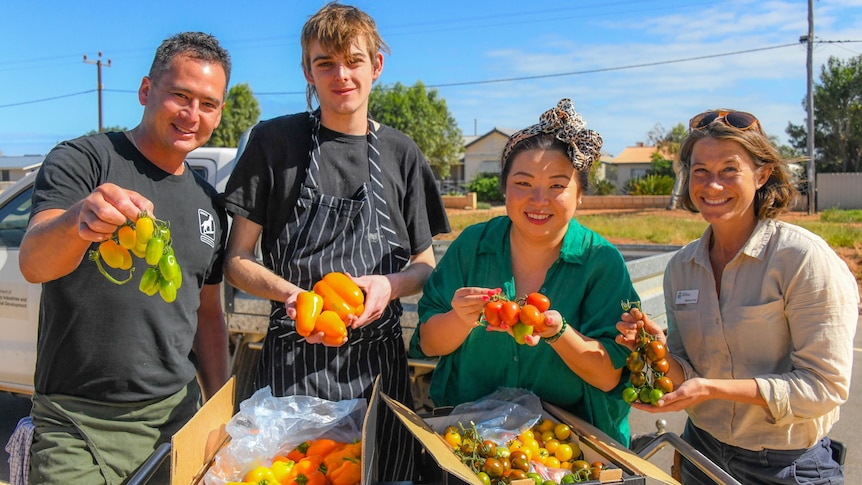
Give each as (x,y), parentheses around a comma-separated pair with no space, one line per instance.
(596,446)
(195,446)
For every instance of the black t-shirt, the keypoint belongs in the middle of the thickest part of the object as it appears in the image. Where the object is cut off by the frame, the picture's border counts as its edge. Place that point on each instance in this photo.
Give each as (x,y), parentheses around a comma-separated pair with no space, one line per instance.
(265,183)
(113,343)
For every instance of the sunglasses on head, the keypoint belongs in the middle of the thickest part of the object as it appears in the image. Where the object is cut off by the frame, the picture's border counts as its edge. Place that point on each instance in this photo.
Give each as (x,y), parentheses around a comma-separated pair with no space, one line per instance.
(737,119)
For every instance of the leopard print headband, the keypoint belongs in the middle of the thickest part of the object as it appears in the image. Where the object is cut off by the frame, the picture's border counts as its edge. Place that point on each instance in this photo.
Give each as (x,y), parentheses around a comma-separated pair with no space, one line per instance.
(584,146)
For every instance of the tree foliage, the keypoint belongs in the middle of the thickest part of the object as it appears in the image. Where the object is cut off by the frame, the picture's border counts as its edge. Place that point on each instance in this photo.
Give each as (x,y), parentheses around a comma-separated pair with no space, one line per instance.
(241,111)
(837,118)
(423,116)
(487,187)
(107,129)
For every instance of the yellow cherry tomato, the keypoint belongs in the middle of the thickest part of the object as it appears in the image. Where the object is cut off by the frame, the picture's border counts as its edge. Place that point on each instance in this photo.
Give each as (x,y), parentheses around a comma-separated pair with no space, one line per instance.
(562,431)
(564,452)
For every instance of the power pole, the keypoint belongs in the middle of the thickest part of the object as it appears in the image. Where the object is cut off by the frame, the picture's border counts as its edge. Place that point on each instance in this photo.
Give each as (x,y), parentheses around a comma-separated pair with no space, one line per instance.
(812,172)
(99,87)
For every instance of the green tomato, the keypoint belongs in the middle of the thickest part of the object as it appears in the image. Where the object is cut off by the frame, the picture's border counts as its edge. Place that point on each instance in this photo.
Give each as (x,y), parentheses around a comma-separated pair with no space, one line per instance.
(486,480)
(630,395)
(537,479)
(155,250)
(149,284)
(167,290)
(169,267)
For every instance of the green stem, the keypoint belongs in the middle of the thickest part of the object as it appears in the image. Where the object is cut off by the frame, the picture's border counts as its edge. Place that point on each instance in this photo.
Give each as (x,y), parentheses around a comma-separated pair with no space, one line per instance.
(94,255)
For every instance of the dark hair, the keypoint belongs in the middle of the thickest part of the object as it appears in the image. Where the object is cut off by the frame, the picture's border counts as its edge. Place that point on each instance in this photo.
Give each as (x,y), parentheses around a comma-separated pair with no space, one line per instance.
(196,45)
(774,197)
(337,27)
(542,141)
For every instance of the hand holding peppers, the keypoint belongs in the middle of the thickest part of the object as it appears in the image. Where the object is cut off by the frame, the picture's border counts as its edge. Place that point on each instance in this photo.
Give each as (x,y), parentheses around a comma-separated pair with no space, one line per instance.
(327,310)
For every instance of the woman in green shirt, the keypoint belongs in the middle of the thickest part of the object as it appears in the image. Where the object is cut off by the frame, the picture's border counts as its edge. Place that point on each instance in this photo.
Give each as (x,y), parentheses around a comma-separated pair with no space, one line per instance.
(537,247)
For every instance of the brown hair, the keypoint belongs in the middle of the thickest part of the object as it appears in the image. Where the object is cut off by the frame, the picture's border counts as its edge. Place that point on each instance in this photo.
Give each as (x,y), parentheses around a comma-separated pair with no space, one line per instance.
(337,27)
(774,197)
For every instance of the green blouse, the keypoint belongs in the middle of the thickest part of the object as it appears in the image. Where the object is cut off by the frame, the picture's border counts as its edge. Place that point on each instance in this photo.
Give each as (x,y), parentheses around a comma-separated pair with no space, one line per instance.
(586,285)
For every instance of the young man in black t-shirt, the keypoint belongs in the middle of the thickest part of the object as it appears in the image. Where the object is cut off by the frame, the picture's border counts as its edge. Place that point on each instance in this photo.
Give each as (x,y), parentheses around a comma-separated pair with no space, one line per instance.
(333,190)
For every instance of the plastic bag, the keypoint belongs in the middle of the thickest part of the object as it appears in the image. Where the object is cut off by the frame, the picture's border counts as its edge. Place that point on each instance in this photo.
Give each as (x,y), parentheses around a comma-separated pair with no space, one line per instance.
(267,426)
(499,416)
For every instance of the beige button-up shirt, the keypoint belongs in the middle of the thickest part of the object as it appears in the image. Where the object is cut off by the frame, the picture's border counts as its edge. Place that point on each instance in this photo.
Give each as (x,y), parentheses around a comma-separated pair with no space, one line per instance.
(786,317)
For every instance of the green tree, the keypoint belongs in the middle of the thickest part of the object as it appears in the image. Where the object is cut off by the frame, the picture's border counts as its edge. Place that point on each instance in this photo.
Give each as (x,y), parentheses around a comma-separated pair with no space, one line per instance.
(423,116)
(107,129)
(668,142)
(241,111)
(487,187)
(837,118)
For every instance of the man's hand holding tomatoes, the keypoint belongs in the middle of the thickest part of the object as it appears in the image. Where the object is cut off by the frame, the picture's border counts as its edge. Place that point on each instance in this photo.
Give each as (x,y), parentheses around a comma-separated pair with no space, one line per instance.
(106,208)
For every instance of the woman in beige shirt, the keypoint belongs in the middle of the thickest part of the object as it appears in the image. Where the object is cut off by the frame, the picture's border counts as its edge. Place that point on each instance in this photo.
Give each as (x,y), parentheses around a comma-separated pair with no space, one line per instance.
(761,316)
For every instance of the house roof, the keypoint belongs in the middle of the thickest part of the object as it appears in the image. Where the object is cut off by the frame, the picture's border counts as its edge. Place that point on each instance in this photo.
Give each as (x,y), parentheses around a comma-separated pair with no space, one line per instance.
(637,154)
(506,132)
(23,162)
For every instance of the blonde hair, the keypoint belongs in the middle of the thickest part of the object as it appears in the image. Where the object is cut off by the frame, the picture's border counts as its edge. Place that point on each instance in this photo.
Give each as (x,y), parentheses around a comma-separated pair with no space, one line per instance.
(336,27)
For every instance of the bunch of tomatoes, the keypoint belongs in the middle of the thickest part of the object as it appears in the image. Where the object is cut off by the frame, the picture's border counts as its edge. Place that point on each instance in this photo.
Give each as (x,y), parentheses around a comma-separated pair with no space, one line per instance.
(525,316)
(148,239)
(648,365)
(327,307)
(533,454)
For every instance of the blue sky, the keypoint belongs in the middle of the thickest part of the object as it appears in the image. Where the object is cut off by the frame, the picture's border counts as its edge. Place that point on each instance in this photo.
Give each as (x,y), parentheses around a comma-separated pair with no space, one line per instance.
(498,63)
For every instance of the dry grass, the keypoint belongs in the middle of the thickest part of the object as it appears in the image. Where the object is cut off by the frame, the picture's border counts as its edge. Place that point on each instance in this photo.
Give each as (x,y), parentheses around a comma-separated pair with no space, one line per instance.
(659,226)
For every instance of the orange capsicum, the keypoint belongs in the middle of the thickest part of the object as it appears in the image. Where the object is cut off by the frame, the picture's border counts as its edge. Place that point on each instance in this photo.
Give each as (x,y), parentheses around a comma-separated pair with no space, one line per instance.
(341,295)
(348,473)
(348,452)
(333,328)
(321,447)
(308,307)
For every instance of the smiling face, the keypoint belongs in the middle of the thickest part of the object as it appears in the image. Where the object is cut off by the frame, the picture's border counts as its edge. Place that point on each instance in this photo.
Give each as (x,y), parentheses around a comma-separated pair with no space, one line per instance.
(542,194)
(181,109)
(343,84)
(723,180)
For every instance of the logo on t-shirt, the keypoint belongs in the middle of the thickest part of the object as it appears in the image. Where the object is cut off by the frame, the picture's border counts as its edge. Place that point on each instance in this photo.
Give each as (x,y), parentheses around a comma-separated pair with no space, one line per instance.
(206,221)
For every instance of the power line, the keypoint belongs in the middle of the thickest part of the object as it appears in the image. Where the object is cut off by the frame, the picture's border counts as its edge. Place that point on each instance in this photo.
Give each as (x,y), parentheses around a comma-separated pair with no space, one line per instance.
(492,81)
(46,99)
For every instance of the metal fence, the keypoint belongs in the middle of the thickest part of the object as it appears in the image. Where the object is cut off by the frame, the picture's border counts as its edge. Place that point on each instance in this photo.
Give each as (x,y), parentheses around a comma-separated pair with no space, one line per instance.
(839,190)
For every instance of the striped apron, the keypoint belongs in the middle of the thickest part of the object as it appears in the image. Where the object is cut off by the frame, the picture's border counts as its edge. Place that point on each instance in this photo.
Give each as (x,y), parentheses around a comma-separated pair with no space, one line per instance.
(324,234)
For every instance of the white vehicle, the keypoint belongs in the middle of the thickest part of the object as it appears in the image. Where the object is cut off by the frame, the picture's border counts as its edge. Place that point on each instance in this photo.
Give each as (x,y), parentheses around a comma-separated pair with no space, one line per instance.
(19,300)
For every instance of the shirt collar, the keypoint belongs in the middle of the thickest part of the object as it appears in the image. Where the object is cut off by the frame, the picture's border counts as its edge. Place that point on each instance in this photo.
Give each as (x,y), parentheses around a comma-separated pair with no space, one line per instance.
(496,240)
(754,247)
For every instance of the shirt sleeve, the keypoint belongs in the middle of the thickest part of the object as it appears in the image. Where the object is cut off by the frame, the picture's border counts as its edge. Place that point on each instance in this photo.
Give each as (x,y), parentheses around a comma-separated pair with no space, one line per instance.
(69,173)
(437,293)
(821,307)
(248,188)
(424,213)
(609,284)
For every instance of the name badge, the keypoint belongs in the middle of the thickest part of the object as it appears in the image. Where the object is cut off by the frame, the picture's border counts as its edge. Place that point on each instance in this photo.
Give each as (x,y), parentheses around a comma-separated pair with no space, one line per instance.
(684,297)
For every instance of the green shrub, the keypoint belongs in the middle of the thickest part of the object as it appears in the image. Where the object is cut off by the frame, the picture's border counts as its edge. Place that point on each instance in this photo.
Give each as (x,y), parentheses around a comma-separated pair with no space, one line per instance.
(650,185)
(487,187)
(603,187)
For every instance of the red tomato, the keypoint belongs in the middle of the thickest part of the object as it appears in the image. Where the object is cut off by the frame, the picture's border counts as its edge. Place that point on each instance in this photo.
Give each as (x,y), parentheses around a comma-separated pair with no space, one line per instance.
(539,301)
(510,313)
(533,317)
(491,312)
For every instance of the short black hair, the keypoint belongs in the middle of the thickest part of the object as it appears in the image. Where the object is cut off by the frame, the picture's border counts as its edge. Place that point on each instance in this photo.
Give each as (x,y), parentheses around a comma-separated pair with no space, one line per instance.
(196,45)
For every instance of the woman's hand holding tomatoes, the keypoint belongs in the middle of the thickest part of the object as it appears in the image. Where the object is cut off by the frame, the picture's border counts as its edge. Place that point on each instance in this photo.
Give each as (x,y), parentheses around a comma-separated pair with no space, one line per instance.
(629,327)
(468,304)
